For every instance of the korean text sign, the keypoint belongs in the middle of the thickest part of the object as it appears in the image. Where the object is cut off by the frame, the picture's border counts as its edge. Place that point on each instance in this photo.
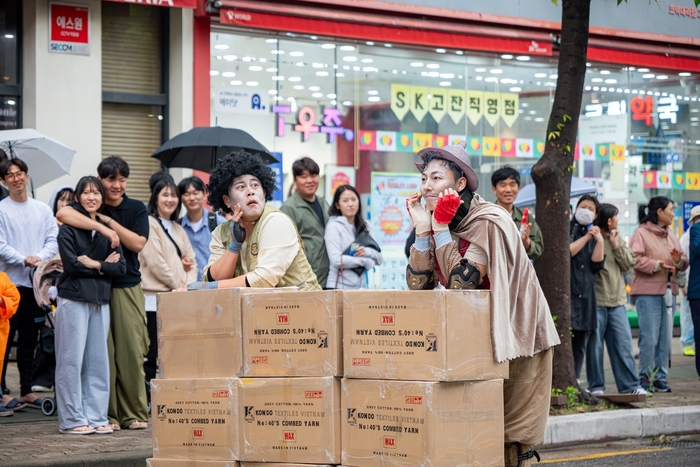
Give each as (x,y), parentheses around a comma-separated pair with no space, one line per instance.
(69,29)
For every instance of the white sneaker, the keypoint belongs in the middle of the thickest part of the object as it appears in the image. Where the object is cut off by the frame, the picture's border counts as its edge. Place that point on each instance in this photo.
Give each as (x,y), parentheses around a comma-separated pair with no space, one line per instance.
(598,393)
(41,389)
(639,391)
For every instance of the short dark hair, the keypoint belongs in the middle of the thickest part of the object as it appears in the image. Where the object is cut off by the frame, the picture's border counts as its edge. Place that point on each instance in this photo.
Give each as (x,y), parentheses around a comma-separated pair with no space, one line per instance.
(647,212)
(19,163)
(153,201)
(592,199)
(334,211)
(89,180)
(454,168)
(305,163)
(607,211)
(237,163)
(186,183)
(158,176)
(113,166)
(503,174)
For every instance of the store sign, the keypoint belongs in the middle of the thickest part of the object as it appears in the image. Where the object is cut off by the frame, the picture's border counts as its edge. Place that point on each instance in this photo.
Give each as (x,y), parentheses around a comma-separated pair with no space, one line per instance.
(687,11)
(166,3)
(668,109)
(642,108)
(337,176)
(454,102)
(69,29)
(241,100)
(607,108)
(306,119)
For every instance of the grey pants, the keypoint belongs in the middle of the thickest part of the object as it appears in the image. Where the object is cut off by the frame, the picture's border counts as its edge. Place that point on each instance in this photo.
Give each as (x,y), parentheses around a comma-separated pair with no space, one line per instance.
(82,364)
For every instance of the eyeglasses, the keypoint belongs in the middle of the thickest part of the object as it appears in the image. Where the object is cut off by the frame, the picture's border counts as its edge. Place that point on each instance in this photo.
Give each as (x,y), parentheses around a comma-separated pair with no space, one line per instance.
(15,175)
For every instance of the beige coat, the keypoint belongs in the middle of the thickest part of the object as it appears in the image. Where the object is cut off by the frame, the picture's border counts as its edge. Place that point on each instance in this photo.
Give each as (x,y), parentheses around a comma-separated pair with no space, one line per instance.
(161,267)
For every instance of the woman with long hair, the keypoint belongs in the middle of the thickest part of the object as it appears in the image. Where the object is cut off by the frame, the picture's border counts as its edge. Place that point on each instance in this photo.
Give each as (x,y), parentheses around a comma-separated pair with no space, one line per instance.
(587,258)
(167,261)
(347,264)
(659,258)
(82,318)
(613,327)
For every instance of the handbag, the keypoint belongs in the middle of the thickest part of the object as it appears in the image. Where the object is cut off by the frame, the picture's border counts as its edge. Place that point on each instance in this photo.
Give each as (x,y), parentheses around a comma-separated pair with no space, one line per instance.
(364,239)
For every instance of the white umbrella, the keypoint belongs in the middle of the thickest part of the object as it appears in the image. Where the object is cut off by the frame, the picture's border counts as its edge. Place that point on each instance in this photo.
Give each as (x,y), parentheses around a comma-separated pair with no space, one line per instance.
(46,158)
(526,195)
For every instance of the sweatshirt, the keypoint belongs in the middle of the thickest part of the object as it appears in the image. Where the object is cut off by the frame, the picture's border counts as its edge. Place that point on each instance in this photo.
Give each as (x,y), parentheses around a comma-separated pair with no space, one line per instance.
(650,244)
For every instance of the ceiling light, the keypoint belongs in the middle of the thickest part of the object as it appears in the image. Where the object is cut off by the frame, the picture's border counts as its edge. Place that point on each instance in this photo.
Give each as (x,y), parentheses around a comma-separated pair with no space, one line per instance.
(271,41)
(213,73)
(611,81)
(643,70)
(432,66)
(507,57)
(604,72)
(331,96)
(523,58)
(480,70)
(479,78)
(228,74)
(432,74)
(317,94)
(540,75)
(340,75)
(447,75)
(588,63)
(296,53)
(366,60)
(278,78)
(416,64)
(440,51)
(321,73)
(272,91)
(516,89)
(459,52)
(9,36)
(597,80)
(221,46)
(277,52)
(347,48)
(374,98)
(318,65)
(328,46)
(370,43)
(255,68)
(252,84)
(236,82)
(373,92)
(230,58)
(350,58)
(445,83)
(539,119)
(347,103)
(247,59)
(491,79)
(271,70)
(525,104)
(532,112)
(554,76)
(298,87)
(334,102)
(685,73)
(388,46)
(661,77)
(528,118)
(300,63)
(496,71)
(595,88)
(314,88)
(604,88)
(587,88)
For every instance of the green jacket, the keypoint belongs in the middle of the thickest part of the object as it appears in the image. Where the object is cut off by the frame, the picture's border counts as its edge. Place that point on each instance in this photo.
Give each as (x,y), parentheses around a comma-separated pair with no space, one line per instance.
(610,283)
(311,232)
(536,240)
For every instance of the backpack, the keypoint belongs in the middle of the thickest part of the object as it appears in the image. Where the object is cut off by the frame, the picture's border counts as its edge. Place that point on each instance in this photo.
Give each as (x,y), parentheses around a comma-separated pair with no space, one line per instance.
(211,221)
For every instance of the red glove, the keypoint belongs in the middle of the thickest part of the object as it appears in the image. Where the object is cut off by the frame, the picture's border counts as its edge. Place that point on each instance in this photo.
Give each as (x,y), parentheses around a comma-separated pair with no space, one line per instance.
(446,208)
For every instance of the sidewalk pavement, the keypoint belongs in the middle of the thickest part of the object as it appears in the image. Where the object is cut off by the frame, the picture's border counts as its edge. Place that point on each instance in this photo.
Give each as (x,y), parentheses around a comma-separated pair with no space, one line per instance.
(29,439)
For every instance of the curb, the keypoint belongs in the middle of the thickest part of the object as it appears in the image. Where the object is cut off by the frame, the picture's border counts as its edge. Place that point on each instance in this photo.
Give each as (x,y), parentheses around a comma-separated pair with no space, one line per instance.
(640,423)
(136,458)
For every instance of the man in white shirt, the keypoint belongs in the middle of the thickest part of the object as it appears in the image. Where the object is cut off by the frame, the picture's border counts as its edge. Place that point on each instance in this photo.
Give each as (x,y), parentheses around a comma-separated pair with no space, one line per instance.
(27,236)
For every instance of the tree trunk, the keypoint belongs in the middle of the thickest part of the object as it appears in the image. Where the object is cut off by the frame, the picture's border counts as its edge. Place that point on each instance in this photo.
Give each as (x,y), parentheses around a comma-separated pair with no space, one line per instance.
(552,177)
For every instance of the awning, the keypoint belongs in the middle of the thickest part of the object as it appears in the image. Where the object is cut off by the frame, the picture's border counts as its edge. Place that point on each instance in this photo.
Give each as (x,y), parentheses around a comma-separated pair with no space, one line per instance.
(166,3)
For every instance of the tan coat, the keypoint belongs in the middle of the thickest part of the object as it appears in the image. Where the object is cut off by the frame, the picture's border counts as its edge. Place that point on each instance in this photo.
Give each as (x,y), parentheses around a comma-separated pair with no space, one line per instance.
(610,283)
(161,267)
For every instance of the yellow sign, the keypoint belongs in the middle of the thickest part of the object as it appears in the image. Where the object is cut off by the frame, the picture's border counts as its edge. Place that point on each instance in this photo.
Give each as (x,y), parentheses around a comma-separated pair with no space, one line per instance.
(400,100)
(492,146)
(456,104)
(419,102)
(438,103)
(617,152)
(692,180)
(509,108)
(422,141)
(475,106)
(492,107)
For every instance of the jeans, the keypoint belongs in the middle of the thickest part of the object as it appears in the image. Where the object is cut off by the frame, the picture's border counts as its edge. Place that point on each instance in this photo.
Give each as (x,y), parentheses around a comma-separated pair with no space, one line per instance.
(687,328)
(614,330)
(653,336)
(695,311)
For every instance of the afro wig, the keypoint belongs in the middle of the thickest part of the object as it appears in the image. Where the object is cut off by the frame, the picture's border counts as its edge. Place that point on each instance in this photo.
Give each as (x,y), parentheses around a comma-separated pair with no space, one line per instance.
(237,163)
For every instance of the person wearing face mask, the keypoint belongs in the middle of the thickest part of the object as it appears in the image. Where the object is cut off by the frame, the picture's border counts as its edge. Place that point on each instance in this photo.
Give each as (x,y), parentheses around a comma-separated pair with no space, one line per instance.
(587,259)
(659,258)
(259,246)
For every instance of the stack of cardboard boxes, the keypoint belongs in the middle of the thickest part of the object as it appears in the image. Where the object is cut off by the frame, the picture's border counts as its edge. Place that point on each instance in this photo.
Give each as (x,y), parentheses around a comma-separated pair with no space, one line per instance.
(250,376)
(421,386)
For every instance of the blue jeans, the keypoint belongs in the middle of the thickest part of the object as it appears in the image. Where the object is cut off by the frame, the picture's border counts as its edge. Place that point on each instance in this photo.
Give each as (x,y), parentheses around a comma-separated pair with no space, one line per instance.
(653,336)
(687,330)
(614,329)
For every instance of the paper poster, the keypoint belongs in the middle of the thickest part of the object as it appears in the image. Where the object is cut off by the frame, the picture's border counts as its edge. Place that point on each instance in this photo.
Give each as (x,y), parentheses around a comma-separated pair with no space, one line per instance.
(524,148)
(456,104)
(475,106)
(419,101)
(492,107)
(389,218)
(336,176)
(400,100)
(509,108)
(438,103)
(386,141)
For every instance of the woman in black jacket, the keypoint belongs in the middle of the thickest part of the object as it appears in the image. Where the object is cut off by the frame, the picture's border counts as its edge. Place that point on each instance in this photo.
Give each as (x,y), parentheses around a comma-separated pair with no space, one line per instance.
(82,318)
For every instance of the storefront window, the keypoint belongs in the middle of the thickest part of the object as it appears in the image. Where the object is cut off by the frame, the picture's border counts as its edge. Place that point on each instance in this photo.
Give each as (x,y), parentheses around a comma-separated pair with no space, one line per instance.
(9,52)
(9,113)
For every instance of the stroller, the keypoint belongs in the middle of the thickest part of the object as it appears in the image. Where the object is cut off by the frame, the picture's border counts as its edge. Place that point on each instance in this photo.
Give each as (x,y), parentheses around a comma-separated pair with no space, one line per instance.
(43,277)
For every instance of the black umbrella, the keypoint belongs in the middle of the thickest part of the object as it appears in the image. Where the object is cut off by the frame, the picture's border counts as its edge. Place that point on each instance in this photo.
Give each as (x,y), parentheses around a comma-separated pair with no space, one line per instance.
(201,147)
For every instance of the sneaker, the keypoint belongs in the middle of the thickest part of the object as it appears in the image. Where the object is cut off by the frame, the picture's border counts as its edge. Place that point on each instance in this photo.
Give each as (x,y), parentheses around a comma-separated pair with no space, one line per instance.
(597,392)
(640,391)
(661,386)
(645,383)
(688,351)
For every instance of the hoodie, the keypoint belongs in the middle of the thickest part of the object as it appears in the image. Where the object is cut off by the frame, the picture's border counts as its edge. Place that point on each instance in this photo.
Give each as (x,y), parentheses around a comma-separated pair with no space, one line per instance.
(54,195)
(338,237)
(650,244)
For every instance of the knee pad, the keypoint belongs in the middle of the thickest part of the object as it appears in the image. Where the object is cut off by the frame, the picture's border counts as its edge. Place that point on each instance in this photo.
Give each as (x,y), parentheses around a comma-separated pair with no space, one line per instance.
(419,280)
(464,276)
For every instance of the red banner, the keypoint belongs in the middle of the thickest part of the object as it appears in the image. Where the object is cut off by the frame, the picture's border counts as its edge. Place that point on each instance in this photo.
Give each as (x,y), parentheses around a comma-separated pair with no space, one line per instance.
(394,35)
(168,3)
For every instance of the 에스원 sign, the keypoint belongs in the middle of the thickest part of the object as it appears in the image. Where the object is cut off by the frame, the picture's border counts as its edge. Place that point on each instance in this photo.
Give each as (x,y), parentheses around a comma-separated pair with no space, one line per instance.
(69,29)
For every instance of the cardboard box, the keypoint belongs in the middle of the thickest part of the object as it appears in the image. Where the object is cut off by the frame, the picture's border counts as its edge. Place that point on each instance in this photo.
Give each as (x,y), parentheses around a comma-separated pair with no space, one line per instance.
(189,463)
(439,335)
(293,334)
(277,464)
(290,420)
(195,419)
(432,424)
(199,334)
